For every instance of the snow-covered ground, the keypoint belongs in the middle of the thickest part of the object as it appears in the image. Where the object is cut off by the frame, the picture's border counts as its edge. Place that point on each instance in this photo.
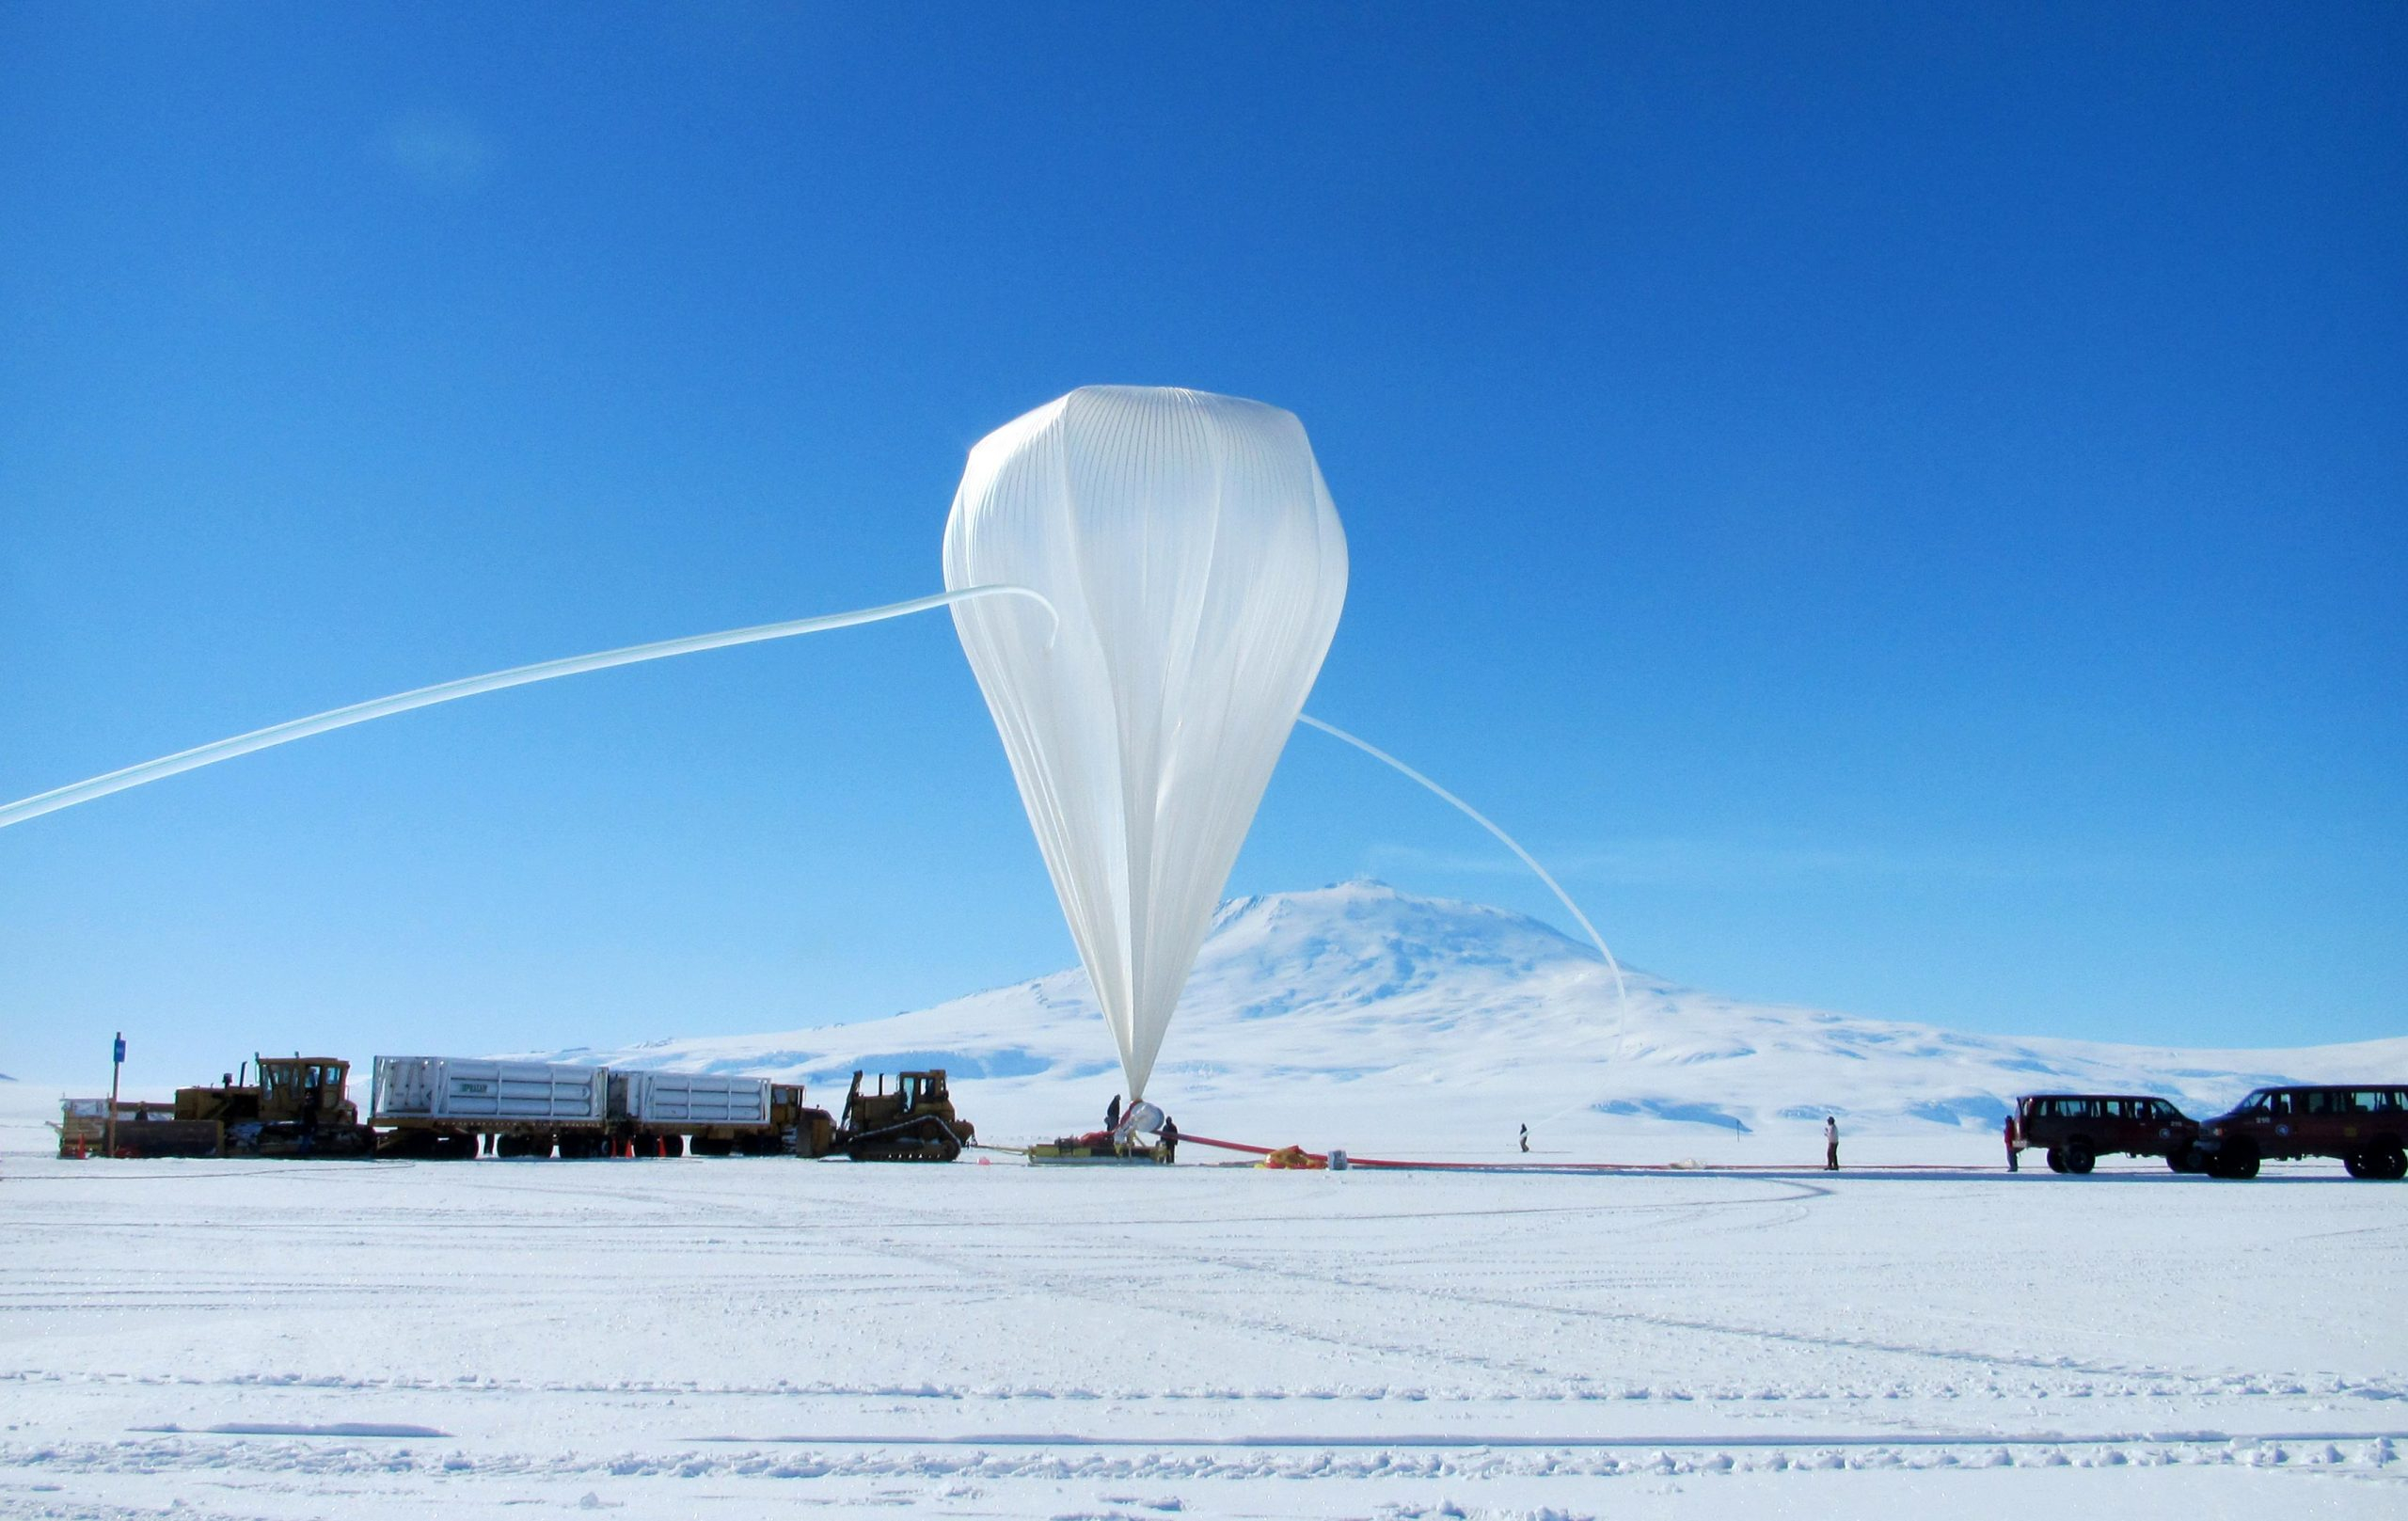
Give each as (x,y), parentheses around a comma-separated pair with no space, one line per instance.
(693,1338)
(681,1338)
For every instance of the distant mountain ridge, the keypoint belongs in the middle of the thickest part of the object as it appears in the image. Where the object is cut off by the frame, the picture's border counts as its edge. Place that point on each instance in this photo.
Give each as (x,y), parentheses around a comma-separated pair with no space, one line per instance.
(1359,1014)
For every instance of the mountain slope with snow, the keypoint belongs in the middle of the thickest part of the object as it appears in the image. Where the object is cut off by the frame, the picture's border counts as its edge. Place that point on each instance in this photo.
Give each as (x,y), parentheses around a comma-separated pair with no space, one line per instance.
(1359,1016)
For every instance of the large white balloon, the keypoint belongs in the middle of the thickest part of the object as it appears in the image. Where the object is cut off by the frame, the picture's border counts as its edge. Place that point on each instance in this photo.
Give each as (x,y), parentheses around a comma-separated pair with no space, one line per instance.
(1191,549)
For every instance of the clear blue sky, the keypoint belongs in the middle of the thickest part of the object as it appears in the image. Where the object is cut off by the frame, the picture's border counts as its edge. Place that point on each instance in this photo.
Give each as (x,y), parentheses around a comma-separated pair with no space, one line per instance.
(1904,510)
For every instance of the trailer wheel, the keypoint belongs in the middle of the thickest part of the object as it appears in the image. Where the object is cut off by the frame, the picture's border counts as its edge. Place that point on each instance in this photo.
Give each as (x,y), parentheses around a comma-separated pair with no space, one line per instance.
(2079,1157)
(405,1144)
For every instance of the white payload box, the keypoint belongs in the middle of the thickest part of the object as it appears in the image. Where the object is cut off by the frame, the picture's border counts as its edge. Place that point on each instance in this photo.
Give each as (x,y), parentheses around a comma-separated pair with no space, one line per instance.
(468,1088)
(688,1098)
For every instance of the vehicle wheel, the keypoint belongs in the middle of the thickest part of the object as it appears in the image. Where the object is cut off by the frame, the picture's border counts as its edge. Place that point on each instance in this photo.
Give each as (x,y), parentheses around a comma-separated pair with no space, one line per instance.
(2056,1160)
(2238,1161)
(2079,1157)
(2184,1159)
(2387,1162)
(2359,1164)
(409,1144)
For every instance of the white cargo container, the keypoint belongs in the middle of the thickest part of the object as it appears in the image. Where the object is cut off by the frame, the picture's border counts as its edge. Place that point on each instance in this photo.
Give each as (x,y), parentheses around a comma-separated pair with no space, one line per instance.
(676,1100)
(471,1090)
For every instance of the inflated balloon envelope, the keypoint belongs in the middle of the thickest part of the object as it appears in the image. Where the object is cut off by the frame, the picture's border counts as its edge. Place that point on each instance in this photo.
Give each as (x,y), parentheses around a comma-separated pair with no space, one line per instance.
(1195,559)
(1146,581)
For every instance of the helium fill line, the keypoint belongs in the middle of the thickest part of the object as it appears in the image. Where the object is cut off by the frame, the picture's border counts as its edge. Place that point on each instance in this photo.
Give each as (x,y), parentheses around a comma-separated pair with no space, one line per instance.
(1621,995)
(134,776)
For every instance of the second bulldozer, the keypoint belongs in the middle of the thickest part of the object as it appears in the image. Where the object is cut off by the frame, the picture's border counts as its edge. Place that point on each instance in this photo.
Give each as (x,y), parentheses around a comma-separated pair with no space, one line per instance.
(915,1123)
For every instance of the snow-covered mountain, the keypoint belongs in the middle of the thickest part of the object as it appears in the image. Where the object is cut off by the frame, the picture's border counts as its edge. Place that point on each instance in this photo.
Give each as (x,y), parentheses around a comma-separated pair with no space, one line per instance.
(1359,1016)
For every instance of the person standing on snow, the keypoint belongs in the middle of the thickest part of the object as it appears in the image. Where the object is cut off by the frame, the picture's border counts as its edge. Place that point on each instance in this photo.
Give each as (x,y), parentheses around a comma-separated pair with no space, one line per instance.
(1831,1143)
(2013,1163)
(1526,1140)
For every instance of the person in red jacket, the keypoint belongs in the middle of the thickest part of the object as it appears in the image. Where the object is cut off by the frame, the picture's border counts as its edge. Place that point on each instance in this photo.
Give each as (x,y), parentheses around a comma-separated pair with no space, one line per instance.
(2012,1164)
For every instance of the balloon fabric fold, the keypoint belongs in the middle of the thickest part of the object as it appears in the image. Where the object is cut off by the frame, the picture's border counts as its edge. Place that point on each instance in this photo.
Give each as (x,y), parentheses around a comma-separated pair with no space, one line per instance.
(1193,554)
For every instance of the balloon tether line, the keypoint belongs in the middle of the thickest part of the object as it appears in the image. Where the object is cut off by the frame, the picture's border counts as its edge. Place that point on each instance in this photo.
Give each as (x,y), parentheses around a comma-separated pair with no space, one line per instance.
(1621,995)
(280,733)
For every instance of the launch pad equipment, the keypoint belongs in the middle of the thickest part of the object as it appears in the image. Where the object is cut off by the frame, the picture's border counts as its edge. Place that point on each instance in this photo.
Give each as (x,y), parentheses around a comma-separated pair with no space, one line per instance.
(1099,1148)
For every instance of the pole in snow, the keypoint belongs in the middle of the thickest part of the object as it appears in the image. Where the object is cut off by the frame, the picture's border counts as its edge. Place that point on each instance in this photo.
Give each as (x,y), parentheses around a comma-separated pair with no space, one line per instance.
(117,1068)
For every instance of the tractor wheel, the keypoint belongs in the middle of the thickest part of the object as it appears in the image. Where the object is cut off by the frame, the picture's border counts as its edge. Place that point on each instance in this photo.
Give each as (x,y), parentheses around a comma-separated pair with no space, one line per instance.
(2079,1157)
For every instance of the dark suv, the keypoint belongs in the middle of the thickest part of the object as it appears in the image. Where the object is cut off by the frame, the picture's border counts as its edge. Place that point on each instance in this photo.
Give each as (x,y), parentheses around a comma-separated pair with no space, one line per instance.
(2077,1129)
(2363,1126)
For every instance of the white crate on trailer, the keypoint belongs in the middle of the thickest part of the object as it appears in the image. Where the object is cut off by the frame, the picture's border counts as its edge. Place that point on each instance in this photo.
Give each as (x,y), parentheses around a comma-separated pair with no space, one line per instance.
(470,1090)
(680,1099)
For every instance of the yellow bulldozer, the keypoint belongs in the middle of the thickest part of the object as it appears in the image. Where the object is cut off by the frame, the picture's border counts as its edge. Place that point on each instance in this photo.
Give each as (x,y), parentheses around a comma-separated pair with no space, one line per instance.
(297,1108)
(915,1123)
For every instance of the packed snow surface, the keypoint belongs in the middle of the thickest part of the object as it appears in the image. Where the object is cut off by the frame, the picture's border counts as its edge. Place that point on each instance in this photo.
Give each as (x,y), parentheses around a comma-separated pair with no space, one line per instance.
(742,1337)
(693,1338)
